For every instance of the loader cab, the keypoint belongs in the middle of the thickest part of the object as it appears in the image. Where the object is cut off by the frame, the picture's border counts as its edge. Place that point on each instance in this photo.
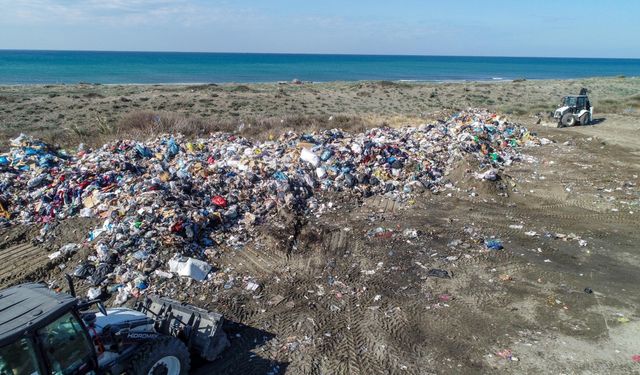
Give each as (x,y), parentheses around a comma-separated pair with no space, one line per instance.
(41,333)
(579,102)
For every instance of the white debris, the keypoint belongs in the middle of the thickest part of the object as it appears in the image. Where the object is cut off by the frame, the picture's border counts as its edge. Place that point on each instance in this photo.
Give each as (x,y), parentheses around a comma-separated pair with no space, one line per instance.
(193,268)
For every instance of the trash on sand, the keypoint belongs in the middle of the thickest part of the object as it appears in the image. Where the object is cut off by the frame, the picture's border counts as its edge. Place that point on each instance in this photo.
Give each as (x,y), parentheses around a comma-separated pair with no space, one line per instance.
(494,244)
(65,250)
(193,268)
(163,274)
(588,290)
(435,272)
(490,175)
(94,293)
(507,354)
(251,286)
(380,232)
(54,255)
(410,233)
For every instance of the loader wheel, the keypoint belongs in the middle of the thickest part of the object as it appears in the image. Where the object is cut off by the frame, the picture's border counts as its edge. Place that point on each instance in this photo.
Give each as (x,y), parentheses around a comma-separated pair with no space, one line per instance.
(168,356)
(584,119)
(568,119)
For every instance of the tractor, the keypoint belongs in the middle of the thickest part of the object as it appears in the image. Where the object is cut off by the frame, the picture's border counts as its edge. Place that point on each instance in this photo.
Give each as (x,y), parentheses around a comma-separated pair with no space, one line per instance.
(575,109)
(48,332)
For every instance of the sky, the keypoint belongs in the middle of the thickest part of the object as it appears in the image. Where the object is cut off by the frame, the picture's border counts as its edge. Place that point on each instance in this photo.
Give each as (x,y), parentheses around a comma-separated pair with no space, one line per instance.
(583,28)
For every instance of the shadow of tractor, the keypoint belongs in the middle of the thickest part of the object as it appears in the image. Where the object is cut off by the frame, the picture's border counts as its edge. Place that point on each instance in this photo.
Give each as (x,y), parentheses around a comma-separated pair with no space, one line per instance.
(242,357)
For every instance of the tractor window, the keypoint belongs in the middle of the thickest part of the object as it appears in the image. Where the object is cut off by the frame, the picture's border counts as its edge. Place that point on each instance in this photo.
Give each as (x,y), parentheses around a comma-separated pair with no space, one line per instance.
(570,101)
(18,359)
(66,346)
(581,102)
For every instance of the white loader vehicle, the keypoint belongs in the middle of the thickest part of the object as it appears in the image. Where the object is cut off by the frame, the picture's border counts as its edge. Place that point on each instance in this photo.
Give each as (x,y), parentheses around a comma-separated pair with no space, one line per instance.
(575,109)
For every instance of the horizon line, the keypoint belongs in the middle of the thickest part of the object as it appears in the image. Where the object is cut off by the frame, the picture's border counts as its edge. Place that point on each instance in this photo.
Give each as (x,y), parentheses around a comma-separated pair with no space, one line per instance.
(317,54)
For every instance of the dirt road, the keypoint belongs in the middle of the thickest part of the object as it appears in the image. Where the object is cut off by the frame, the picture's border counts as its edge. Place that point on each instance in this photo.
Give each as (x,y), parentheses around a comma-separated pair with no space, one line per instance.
(560,297)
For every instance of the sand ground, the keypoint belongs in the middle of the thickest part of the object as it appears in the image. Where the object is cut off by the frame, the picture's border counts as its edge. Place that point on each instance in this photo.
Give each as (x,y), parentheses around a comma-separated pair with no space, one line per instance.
(348,303)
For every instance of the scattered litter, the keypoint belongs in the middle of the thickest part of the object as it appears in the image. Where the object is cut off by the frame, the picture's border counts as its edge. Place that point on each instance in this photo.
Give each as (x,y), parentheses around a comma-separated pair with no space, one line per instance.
(507,354)
(65,250)
(410,233)
(163,274)
(491,175)
(505,277)
(193,268)
(494,244)
(435,272)
(94,293)
(251,286)
(54,255)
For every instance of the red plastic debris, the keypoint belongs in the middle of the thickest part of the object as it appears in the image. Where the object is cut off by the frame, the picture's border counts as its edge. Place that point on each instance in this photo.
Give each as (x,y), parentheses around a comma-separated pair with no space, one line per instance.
(219,201)
(385,234)
(176,227)
(636,358)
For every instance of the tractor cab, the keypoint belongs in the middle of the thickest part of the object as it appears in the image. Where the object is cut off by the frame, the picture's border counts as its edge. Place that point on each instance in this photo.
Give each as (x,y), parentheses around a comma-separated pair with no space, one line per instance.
(579,102)
(41,333)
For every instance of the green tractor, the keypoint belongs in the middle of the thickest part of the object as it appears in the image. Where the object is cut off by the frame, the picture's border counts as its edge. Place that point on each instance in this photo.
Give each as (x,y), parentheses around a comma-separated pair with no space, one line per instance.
(44,332)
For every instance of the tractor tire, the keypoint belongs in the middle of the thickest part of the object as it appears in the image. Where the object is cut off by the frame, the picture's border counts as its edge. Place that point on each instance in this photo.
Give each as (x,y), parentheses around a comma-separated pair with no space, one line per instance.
(568,119)
(584,119)
(167,356)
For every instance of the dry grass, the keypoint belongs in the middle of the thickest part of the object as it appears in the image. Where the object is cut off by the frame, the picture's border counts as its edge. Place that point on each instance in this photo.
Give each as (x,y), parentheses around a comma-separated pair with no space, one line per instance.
(146,124)
(93,114)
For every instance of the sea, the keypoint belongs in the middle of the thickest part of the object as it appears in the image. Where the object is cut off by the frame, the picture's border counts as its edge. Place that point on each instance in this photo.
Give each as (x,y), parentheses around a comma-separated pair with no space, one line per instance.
(18,67)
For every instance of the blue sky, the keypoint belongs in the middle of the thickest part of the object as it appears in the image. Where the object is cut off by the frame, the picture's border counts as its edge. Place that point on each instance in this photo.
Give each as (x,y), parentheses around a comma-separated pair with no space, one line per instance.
(583,28)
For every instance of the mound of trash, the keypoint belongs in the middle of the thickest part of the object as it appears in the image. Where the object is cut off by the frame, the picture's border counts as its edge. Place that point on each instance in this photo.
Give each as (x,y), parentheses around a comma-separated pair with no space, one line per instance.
(190,196)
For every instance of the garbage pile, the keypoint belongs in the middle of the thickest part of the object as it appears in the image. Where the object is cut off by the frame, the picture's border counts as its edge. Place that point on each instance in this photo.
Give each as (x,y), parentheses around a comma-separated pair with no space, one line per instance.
(173,195)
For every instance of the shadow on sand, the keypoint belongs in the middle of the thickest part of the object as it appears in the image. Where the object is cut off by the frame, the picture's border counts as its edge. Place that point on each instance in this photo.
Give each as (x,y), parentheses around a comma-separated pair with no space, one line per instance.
(240,358)
(596,121)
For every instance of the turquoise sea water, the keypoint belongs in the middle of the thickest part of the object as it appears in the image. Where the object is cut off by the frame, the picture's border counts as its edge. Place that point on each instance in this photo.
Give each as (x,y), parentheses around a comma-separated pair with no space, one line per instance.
(38,67)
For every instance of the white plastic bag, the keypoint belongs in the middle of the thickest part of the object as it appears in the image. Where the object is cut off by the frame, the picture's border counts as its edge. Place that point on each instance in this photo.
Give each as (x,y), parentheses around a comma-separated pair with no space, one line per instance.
(193,268)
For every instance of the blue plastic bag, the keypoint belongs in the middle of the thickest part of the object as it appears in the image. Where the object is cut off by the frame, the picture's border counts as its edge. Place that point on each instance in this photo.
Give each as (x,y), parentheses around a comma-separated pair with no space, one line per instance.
(494,244)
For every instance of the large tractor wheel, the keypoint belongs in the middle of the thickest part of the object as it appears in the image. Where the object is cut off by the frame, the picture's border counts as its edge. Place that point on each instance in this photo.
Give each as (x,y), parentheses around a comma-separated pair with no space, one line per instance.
(585,119)
(568,119)
(168,356)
